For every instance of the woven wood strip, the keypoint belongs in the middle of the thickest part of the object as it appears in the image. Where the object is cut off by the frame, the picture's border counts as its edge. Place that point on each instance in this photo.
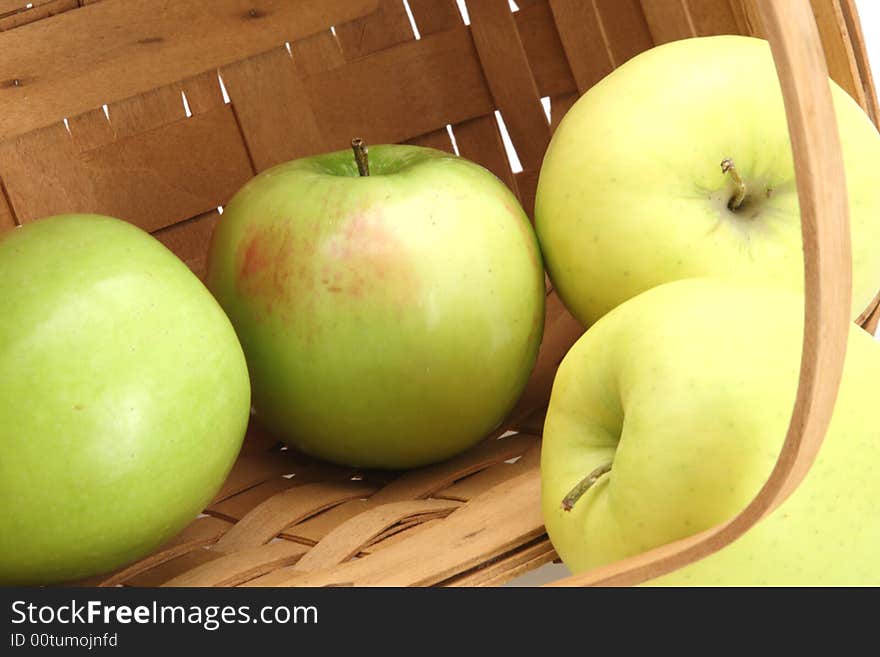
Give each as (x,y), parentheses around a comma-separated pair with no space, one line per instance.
(347,539)
(854,31)
(272,106)
(471,486)
(141,49)
(241,566)
(499,570)
(202,92)
(269,518)
(484,528)
(424,482)
(583,37)
(386,27)
(146,111)
(90,130)
(510,79)
(45,173)
(38,11)
(237,506)
(838,47)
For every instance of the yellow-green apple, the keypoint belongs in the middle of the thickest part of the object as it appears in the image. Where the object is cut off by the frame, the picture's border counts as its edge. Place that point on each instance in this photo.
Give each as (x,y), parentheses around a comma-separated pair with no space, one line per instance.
(390,319)
(124,397)
(678,402)
(632,191)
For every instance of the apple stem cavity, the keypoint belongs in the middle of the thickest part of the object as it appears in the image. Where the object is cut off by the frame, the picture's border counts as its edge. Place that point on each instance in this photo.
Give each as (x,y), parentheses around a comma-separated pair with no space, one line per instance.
(739,195)
(360,156)
(583,486)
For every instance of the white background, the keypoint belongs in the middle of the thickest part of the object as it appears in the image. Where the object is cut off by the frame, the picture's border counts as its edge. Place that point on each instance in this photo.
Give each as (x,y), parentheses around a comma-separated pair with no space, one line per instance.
(869,13)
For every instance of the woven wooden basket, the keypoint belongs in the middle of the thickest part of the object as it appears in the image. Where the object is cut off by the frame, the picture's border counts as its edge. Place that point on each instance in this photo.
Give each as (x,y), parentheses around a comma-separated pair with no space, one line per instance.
(116,107)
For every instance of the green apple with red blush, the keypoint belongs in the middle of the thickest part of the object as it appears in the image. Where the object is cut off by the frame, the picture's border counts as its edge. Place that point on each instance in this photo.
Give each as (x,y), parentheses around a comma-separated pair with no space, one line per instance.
(390,304)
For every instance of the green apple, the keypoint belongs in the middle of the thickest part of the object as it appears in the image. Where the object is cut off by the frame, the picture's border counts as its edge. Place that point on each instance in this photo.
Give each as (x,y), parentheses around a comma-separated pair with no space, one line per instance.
(389,320)
(632,193)
(124,397)
(679,400)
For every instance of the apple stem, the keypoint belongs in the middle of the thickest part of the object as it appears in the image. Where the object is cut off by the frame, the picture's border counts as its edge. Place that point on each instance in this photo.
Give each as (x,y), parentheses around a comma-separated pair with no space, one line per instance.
(583,486)
(727,166)
(360,156)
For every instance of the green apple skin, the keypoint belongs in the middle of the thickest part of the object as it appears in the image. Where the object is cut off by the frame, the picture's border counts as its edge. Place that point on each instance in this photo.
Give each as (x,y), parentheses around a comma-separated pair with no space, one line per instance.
(631,193)
(124,397)
(687,390)
(390,320)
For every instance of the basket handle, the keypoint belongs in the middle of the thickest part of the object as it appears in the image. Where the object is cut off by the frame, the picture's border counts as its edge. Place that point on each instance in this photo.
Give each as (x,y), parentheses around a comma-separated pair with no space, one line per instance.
(803,74)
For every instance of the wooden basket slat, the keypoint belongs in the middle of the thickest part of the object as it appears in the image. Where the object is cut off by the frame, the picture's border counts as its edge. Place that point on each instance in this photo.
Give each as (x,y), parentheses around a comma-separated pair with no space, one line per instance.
(436,81)
(39,11)
(203,92)
(430,18)
(506,68)
(469,487)
(484,528)
(838,47)
(348,538)
(624,28)
(9,7)
(581,34)
(312,530)
(273,110)
(438,139)
(710,18)
(237,506)
(386,27)
(316,53)
(188,239)
(501,569)
(153,179)
(89,130)
(669,20)
(424,482)
(147,111)
(543,50)
(269,518)
(192,36)
(854,31)
(478,139)
(252,470)
(237,567)
(435,15)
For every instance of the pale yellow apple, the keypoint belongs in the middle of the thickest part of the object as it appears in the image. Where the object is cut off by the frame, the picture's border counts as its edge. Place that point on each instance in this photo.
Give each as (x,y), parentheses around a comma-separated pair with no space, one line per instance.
(632,195)
(687,390)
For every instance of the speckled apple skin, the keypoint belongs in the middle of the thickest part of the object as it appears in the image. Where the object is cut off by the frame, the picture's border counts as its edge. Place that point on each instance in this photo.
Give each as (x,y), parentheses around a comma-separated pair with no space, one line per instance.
(124,397)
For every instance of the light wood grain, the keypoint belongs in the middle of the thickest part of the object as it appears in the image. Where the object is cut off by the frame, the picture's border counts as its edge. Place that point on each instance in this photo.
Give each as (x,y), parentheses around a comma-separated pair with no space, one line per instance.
(39,11)
(241,566)
(152,179)
(141,49)
(265,521)
(488,526)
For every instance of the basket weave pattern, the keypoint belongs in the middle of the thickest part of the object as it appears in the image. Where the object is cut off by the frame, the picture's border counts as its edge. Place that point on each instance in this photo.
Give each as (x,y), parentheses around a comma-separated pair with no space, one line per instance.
(168,152)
